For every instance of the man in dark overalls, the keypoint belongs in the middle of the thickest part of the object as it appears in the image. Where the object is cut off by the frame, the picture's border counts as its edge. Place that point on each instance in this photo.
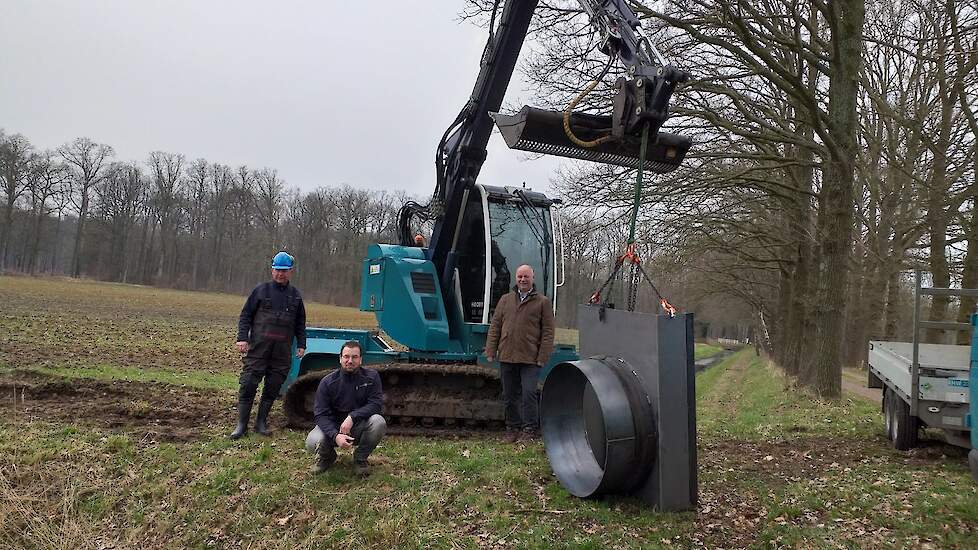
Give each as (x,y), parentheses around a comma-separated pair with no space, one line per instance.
(273,315)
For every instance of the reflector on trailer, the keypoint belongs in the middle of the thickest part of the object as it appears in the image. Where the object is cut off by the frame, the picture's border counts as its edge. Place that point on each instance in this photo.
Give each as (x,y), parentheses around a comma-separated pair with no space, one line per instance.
(540,131)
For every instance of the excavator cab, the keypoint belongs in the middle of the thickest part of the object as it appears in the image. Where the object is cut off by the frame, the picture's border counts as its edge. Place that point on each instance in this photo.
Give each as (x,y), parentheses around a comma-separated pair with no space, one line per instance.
(498,230)
(502,229)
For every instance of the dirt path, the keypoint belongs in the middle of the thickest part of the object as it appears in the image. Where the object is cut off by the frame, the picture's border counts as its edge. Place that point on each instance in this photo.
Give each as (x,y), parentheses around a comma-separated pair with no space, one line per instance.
(854,383)
(727,391)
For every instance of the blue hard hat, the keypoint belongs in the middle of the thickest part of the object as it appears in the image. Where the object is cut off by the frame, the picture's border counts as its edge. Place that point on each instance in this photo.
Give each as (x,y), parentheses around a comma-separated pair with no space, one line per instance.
(283,260)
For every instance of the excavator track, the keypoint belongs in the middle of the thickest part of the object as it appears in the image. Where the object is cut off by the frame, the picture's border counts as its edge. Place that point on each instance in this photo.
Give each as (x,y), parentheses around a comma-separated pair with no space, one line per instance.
(419,398)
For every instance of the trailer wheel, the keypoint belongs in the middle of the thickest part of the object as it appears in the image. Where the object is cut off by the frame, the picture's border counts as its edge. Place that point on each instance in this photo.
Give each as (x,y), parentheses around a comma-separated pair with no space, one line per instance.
(905,427)
(300,399)
(888,413)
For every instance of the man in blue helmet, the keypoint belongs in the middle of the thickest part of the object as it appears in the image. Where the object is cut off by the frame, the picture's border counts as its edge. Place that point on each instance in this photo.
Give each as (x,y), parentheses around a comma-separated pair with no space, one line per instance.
(273,315)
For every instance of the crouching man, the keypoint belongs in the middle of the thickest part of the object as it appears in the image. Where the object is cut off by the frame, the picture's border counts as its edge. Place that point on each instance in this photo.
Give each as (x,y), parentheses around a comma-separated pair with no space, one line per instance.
(349,401)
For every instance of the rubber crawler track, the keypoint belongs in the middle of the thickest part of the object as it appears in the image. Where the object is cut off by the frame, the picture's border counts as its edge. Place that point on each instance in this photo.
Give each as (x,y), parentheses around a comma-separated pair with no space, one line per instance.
(436,399)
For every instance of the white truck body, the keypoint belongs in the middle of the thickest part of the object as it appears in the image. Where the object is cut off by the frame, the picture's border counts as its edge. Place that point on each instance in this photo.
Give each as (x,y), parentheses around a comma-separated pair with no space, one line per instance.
(928,385)
(942,386)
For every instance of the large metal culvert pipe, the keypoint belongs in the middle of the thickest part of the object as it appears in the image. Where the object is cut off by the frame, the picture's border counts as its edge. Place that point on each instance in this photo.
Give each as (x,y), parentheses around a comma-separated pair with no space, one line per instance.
(598,426)
(623,420)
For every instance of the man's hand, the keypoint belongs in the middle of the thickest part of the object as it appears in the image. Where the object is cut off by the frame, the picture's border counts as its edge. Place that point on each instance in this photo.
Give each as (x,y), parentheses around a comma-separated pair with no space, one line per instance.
(344,441)
(299,352)
(489,357)
(242,346)
(346,426)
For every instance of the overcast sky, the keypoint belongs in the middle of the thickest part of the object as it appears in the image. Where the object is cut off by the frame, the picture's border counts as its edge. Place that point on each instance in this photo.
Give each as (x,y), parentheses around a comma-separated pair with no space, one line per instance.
(329,92)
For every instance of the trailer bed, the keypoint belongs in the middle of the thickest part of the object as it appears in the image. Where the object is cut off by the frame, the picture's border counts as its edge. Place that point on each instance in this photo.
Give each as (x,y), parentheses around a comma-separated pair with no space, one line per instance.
(944,369)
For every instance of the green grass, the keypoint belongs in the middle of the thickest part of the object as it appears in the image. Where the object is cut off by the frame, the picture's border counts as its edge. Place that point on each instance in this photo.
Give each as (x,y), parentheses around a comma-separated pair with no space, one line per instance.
(704,351)
(757,402)
(426,493)
(851,490)
(777,467)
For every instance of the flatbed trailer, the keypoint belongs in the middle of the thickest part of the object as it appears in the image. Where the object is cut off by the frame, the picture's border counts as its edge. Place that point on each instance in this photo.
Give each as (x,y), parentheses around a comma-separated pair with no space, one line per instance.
(929,385)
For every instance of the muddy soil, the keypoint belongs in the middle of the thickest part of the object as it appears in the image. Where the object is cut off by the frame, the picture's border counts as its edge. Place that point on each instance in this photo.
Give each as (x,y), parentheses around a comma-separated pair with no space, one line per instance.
(154,411)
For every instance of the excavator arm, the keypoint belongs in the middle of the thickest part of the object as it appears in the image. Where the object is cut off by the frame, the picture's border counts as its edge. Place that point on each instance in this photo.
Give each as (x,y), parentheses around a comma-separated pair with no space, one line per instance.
(641,99)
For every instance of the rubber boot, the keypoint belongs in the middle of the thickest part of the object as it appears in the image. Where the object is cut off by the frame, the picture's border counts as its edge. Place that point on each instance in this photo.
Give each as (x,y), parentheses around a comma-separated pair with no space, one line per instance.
(261,421)
(244,412)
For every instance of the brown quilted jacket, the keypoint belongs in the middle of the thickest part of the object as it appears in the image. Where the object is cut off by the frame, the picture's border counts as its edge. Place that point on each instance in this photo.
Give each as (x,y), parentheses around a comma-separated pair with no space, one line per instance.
(522,332)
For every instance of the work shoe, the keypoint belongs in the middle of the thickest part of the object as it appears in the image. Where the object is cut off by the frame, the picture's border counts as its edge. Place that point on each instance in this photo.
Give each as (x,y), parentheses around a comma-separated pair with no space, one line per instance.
(327,457)
(261,420)
(512,436)
(361,468)
(244,412)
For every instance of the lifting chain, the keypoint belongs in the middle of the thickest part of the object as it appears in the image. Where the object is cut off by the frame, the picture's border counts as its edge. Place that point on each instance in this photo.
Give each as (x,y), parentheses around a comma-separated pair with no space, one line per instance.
(632,286)
(630,255)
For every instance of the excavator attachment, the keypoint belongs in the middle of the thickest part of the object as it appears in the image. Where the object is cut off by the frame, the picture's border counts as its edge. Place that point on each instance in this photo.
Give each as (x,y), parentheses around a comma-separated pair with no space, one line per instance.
(540,131)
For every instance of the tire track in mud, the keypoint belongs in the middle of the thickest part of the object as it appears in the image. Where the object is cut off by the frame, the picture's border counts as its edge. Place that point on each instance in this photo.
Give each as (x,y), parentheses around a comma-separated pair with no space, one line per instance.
(162,412)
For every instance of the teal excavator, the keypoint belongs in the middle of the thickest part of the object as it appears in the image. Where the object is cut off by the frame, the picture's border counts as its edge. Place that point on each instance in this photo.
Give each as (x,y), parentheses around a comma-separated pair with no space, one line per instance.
(433,303)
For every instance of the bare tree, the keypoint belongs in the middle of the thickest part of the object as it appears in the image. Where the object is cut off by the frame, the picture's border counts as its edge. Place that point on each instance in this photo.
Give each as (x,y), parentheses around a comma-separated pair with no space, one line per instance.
(197,193)
(15,158)
(166,170)
(220,192)
(87,159)
(241,225)
(120,199)
(269,193)
(965,49)
(48,180)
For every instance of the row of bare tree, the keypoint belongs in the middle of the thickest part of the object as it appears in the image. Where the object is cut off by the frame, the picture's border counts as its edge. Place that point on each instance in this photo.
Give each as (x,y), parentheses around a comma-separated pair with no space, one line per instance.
(173,222)
(834,149)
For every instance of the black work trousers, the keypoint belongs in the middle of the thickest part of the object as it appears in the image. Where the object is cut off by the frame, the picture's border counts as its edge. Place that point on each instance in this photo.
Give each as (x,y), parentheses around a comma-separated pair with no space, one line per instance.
(269,360)
(521,396)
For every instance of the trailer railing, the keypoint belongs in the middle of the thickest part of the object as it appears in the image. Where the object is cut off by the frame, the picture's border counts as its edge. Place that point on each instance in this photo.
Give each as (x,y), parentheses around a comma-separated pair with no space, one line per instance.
(919,325)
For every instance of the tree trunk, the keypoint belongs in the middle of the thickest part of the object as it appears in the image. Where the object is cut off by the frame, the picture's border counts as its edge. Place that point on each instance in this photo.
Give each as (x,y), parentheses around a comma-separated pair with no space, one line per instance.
(79,230)
(937,220)
(836,200)
(56,244)
(8,218)
(969,275)
(857,310)
(34,254)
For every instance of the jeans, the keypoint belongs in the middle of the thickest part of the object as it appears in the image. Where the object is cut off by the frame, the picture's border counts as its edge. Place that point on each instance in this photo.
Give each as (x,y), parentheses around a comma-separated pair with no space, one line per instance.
(367,434)
(521,396)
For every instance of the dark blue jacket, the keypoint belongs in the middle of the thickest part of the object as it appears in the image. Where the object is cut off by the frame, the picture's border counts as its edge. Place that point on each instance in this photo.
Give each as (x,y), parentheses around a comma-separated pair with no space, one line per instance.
(357,394)
(279,296)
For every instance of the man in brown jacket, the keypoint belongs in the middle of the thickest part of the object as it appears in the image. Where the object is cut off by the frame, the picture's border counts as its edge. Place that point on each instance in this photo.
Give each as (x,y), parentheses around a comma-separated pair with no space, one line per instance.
(522,332)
